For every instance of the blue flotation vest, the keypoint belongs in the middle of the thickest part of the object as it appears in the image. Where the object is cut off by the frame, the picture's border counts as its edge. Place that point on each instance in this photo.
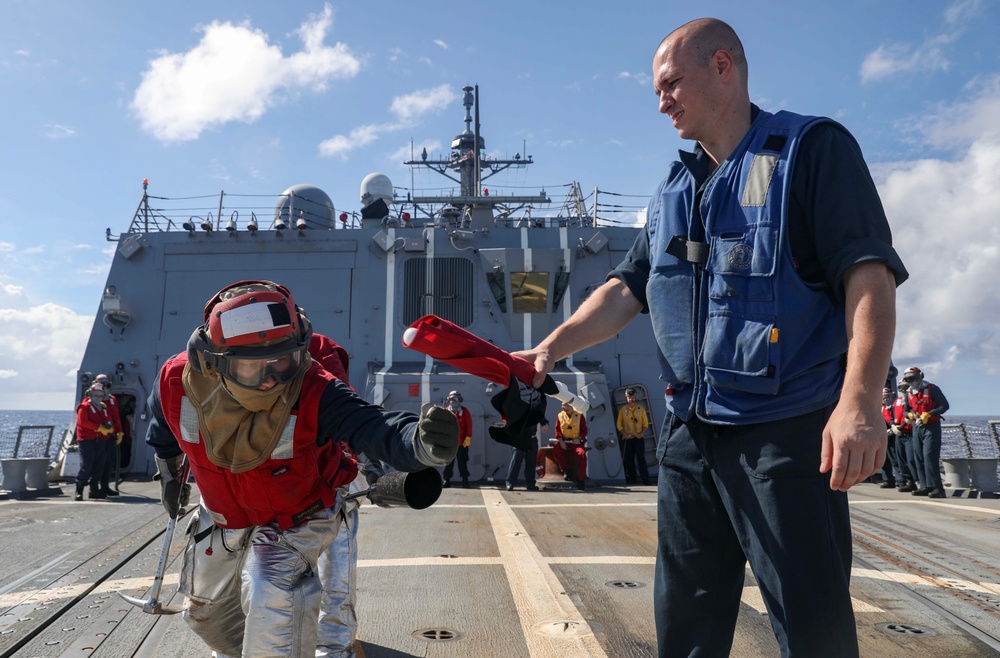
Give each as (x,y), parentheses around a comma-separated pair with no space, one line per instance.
(741,336)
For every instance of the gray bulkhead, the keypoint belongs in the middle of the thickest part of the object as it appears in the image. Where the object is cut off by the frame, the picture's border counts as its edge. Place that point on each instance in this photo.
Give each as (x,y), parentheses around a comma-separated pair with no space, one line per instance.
(362,287)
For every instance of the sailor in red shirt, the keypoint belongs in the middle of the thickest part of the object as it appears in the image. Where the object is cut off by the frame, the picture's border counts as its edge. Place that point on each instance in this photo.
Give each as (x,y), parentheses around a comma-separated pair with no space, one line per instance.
(927,403)
(571,437)
(454,405)
(902,427)
(111,442)
(93,426)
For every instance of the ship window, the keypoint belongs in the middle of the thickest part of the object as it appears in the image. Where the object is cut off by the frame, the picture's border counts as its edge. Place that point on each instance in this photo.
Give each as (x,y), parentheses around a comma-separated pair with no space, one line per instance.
(498,286)
(529,291)
(447,293)
(559,289)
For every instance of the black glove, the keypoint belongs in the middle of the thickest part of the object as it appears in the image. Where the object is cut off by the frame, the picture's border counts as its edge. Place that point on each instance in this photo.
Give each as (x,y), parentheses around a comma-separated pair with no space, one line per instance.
(438,430)
(174,494)
(107,424)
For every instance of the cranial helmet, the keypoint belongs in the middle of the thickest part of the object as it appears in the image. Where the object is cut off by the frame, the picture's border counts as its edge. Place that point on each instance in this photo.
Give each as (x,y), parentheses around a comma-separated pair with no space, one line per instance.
(253,330)
(913,376)
(630,391)
(455,395)
(103,379)
(904,385)
(96,391)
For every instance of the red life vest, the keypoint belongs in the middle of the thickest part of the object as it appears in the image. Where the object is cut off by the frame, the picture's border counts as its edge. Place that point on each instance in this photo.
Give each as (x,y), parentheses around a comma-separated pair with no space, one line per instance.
(464,424)
(921,401)
(297,480)
(887,414)
(899,416)
(89,418)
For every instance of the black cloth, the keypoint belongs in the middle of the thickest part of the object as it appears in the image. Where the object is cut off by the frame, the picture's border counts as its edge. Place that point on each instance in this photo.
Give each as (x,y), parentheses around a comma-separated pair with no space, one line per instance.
(832,226)
(522,408)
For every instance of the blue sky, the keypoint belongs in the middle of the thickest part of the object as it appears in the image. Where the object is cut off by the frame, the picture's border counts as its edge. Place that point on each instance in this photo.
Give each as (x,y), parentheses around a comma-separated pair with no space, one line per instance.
(253,97)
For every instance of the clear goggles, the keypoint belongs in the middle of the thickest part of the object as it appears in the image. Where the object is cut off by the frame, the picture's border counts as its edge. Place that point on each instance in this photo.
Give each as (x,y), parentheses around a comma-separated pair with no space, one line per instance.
(251,371)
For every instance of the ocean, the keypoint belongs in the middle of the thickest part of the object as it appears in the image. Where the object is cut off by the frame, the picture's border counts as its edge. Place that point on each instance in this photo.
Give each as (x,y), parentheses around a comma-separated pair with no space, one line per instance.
(33,444)
(981,438)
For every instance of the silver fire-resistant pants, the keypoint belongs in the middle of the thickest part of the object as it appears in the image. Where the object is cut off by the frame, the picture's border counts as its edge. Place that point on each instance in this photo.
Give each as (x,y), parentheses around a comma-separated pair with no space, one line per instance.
(261,592)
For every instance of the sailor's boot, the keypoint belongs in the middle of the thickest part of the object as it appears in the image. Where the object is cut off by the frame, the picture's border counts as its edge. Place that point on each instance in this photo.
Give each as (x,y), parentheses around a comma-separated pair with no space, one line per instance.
(79,491)
(95,493)
(107,490)
(907,486)
(465,483)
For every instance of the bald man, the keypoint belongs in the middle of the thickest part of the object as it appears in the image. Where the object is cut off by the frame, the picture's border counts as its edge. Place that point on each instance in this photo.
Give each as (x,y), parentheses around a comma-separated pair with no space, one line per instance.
(766,260)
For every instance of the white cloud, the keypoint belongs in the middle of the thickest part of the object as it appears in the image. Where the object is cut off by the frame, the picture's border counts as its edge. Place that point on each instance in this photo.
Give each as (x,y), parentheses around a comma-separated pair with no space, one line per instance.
(41,345)
(412,106)
(642,79)
(341,145)
(441,44)
(12,296)
(944,219)
(926,57)
(405,153)
(234,74)
(407,109)
(57,131)
(6,246)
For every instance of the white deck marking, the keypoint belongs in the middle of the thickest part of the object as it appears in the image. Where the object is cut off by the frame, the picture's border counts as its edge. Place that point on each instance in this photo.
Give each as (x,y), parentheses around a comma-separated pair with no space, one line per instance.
(994,511)
(936,582)
(539,597)
(434,561)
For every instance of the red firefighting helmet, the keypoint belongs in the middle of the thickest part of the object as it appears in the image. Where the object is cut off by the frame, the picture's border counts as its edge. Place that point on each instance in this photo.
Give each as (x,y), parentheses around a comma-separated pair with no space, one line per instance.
(253,330)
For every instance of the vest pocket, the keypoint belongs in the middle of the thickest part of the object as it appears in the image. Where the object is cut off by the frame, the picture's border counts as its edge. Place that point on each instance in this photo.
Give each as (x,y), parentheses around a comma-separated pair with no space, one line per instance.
(739,353)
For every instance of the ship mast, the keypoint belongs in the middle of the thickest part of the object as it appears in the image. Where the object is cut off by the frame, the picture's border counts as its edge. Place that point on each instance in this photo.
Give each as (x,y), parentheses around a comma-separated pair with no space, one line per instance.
(475,206)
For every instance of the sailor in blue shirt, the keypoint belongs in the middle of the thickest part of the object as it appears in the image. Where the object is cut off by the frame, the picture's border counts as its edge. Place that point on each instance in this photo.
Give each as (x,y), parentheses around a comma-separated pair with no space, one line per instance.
(768,272)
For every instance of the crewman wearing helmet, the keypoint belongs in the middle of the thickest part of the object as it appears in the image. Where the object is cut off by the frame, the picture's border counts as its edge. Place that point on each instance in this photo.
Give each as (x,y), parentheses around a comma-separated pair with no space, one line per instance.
(927,403)
(111,442)
(890,469)
(454,404)
(902,427)
(632,423)
(261,426)
(93,426)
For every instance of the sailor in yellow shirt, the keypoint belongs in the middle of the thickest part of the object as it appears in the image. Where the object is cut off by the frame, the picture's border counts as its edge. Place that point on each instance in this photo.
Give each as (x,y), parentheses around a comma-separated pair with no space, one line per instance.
(632,425)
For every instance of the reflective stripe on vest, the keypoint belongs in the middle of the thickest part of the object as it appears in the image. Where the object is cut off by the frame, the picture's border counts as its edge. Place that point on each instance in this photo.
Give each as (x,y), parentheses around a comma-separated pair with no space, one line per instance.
(190,432)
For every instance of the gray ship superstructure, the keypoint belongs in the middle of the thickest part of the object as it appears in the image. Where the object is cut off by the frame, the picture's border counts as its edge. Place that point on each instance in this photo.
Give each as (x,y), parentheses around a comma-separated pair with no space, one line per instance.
(496,265)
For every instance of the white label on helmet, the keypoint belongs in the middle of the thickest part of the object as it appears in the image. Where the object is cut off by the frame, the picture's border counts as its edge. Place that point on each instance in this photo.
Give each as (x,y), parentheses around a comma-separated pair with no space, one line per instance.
(249,319)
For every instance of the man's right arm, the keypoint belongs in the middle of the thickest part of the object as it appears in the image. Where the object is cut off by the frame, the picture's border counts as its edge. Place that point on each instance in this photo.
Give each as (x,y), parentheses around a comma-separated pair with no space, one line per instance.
(602,315)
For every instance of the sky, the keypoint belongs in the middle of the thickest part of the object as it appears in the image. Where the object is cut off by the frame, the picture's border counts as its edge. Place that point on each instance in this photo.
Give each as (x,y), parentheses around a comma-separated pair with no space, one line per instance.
(256,96)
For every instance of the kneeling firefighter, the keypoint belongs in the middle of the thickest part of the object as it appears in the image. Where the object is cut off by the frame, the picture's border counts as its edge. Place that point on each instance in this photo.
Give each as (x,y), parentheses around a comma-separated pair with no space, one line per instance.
(261,426)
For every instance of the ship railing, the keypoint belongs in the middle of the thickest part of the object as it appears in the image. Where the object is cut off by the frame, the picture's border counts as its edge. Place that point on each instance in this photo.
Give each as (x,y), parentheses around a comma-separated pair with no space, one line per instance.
(240,212)
(970,456)
(25,458)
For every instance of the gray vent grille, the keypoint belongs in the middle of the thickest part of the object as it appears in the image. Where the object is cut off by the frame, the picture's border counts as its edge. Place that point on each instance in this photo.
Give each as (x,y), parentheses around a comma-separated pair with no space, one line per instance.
(449,295)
